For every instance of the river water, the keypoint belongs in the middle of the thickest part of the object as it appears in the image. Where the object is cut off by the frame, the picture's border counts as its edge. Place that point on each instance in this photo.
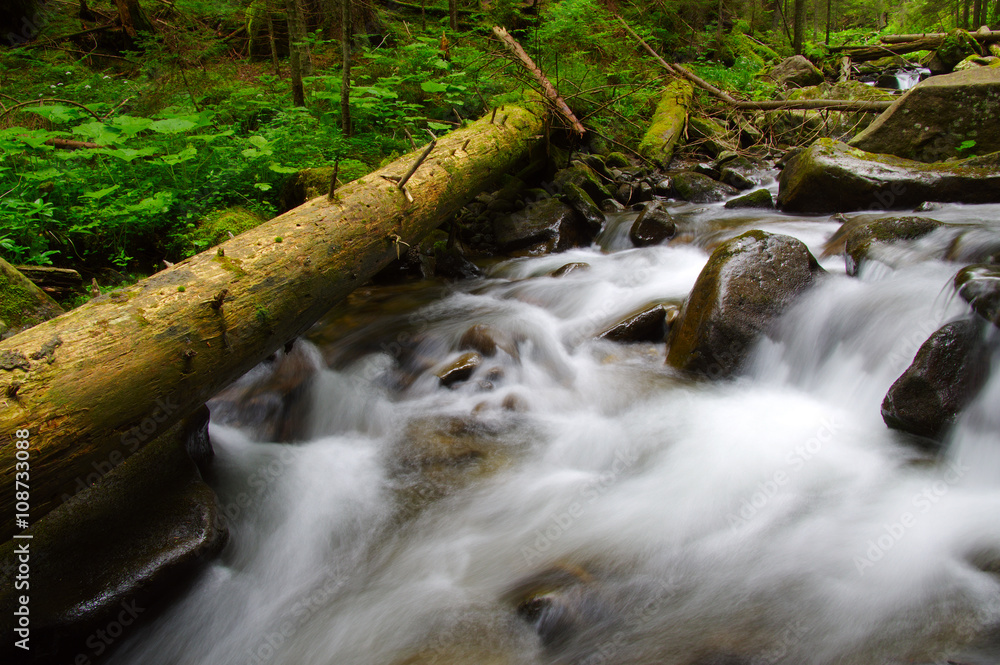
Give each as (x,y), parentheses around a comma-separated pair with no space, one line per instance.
(576,501)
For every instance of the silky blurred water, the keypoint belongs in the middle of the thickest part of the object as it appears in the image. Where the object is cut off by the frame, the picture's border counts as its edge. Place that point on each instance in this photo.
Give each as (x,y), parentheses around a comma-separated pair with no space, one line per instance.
(772,518)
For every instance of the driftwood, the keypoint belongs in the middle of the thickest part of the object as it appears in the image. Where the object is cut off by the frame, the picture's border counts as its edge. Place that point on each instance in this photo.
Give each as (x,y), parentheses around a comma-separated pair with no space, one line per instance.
(547,87)
(845,105)
(98,382)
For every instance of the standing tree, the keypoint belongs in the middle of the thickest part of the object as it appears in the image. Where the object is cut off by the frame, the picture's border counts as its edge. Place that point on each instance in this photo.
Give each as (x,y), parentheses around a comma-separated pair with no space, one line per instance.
(453,14)
(799,26)
(134,18)
(346,28)
(297,49)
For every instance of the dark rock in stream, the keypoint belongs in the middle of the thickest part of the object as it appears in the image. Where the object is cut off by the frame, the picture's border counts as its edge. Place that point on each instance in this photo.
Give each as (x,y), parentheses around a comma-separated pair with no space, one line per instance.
(979,285)
(115,551)
(745,286)
(459,369)
(581,201)
(569,268)
(653,226)
(479,338)
(546,226)
(946,375)
(861,240)
(698,188)
(647,325)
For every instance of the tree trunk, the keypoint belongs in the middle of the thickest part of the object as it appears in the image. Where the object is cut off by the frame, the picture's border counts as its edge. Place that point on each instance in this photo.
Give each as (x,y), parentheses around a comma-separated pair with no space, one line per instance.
(799,26)
(829,20)
(295,53)
(272,42)
(98,382)
(134,18)
(346,30)
(453,14)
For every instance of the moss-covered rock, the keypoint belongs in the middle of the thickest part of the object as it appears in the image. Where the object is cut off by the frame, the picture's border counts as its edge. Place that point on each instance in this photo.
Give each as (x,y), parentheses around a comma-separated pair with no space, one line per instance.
(667,124)
(584,177)
(698,188)
(795,72)
(22,304)
(746,284)
(976,61)
(940,118)
(582,202)
(221,225)
(956,47)
(831,176)
(760,198)
(617,160)
(946,375)
(546,226)
(861,240)
(117,549)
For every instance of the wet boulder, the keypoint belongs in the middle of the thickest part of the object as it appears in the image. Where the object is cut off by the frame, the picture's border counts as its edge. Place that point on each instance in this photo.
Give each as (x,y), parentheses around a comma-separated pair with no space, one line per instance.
(114,552)
(667,125)
(584,177)
(647,325)
(759,199)
(653,226)
(831,176)
(546,226)
(954,48)
(746,285)
(940,118)
(581,201)
(698,188)
(945,376)
(459,369)
(862,241)
(795,72)
(979,285)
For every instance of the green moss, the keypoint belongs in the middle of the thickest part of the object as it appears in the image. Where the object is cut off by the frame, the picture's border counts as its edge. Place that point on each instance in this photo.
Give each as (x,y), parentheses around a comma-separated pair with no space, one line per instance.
(15,302)
(234,266)
(216,227)
(667,124)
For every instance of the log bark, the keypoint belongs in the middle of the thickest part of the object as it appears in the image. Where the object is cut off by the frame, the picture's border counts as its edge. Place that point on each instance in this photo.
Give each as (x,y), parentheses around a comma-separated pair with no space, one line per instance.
(987,36)
(845,105)
(101,380)
(549,90)
(866,53)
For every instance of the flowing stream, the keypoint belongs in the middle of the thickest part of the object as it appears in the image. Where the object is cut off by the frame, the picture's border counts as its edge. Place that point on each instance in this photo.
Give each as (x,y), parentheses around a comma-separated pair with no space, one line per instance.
(576,501)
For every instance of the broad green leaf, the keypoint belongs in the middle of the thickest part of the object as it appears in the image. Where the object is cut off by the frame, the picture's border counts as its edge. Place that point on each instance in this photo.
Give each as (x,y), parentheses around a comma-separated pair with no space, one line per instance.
(125,154)
(101,193)
(43,174)
(37,138)
(278,168)
(100,132)
(433,86)
(184,155)
(258,141)
(55,112)
(208,138)
(131,126)
(173,125)
(437,126)
(263,186)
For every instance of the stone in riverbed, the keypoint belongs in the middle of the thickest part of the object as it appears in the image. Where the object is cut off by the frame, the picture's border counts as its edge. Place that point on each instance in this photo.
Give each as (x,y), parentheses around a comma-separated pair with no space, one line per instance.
(653,226)
(979,285)
(459,369)
(931,121)
(479,338)
(647,325)
(745,286)
(860,240)
(698,188)
(831,176)
(760,199)
(947,373)
(795,72)
(118,548)
(546,226)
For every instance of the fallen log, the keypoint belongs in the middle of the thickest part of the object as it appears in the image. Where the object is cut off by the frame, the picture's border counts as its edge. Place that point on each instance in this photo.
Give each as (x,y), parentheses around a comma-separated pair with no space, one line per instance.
(100,381)
(986,36)
(846,105)
(877,51)
(549,90)
(52,280)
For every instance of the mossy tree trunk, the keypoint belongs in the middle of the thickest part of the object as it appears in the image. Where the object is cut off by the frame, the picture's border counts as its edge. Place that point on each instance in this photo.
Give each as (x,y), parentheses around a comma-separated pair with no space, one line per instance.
(799,26)
(134,18)
(101,380)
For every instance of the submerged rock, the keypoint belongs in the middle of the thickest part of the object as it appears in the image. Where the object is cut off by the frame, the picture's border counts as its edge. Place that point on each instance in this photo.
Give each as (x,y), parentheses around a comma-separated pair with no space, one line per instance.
(746,284)
(831,176)
(479,338)
(860,240)
(115,551)
(646,325)
(946,375)
(935,119)
(459,369)
(653,226)
(979,285)
(698,188)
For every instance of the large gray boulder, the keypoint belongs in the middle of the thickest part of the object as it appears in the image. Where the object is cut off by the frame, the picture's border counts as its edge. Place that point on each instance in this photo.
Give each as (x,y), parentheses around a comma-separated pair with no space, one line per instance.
(745,286)
(932,121)
(796,72)
(946,374)
(831,176)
